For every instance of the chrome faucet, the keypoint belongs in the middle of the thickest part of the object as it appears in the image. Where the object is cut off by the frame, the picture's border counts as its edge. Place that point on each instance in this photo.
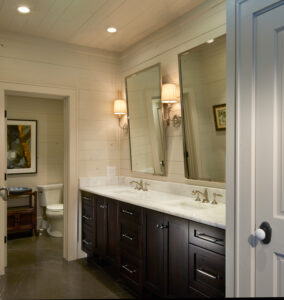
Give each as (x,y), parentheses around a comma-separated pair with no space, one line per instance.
(140,185)
(204,195)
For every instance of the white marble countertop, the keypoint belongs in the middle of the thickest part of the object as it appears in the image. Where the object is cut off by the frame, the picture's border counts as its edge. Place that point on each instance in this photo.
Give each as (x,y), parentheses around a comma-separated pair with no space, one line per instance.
(176,205)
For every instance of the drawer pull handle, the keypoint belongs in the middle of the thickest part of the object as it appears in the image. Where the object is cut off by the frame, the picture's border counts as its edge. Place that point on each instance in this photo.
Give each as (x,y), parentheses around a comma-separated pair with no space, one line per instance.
(208,238)
(86,198)
(207,274)
(103,206)
(126,267)
(87,243)
(162,226)
(87,218)
(125,211)
(127,236)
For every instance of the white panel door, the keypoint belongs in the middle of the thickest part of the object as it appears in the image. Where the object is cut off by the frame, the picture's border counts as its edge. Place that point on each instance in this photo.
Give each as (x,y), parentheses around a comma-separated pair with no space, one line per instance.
(3,203)
(269,147)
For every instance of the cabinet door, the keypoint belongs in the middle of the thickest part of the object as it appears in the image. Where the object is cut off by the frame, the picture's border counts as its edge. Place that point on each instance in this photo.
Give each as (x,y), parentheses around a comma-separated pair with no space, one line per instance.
(101,226)
(112,230)
(154,240)
(177,268)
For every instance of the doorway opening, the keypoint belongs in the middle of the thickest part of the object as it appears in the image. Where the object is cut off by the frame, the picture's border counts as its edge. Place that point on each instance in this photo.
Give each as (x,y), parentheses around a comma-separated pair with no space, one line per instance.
(67,97)
(35,172)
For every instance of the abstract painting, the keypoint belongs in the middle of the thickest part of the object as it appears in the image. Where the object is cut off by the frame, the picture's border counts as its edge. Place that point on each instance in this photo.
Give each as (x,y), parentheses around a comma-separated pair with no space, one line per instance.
(21,146)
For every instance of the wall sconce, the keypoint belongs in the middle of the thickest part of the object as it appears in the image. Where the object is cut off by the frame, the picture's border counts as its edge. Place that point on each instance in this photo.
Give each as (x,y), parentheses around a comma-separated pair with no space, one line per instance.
(169,97)
(119,109)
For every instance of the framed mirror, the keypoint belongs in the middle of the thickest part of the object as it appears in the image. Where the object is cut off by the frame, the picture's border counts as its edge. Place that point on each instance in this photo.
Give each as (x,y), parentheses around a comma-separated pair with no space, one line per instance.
(203,96)
(146,132)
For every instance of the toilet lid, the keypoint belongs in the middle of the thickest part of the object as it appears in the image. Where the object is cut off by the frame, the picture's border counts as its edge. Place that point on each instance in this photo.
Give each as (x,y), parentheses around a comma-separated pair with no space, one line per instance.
(55,207)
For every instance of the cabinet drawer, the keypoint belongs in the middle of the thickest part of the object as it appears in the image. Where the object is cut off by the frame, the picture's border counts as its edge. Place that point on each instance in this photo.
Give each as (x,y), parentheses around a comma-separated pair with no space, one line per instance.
(206,272)
(207,237)
(131,238)
(130,212)
(87,240)
(131,270)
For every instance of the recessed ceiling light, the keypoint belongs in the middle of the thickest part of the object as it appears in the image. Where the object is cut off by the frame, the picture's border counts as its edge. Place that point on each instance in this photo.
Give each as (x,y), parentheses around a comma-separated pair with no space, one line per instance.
(210,41)
(24,9)
(112,30)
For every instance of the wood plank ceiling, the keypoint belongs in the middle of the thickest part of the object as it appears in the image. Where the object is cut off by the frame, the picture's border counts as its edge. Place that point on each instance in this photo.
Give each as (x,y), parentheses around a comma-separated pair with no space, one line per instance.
(84,22)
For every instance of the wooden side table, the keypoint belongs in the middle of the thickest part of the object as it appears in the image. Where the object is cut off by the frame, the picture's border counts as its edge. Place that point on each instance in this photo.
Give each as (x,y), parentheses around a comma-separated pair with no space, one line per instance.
(23,218)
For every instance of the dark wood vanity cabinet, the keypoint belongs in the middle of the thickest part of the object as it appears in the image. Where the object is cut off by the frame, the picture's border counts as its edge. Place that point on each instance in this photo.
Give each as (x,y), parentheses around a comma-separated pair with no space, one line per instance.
(157,253)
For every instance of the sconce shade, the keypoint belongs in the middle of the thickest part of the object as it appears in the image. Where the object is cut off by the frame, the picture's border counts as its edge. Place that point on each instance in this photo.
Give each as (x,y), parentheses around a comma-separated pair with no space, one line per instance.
(119,107)
(169,93)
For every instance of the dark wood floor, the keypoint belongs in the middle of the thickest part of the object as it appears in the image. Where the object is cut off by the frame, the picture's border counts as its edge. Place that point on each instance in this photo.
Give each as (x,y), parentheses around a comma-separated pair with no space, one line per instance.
(36,270)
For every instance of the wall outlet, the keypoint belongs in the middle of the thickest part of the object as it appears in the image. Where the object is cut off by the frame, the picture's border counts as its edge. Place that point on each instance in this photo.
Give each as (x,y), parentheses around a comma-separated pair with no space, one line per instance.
(111,171)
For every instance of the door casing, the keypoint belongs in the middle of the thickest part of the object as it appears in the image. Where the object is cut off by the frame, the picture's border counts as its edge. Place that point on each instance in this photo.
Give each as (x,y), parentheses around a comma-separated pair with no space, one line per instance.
(71,244)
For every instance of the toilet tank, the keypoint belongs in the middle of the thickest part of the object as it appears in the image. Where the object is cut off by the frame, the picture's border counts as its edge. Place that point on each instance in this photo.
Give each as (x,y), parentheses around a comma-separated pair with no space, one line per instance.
(50,194)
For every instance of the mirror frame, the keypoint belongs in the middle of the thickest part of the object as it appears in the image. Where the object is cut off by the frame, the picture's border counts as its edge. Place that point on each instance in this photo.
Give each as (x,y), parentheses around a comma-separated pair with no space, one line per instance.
(185,152)
(128,119)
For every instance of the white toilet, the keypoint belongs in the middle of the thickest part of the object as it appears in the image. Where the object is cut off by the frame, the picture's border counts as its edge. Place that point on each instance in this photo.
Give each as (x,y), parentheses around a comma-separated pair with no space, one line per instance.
(51,197)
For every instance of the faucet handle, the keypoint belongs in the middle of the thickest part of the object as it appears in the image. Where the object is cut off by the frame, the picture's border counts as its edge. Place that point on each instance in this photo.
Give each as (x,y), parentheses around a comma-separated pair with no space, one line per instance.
(196,192)
(214,198)
(145,189)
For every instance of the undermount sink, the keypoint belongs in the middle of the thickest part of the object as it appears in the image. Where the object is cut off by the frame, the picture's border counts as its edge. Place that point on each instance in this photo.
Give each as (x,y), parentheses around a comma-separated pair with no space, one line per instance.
(126,192)
(189,204)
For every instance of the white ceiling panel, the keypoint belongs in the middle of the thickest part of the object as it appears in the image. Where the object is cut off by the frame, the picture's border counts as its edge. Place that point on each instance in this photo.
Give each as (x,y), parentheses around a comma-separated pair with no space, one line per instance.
(84,22)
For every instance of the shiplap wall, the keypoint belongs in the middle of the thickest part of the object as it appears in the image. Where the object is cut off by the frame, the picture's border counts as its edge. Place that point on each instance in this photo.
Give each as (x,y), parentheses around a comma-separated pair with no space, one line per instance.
(194,28)
(94,74)
(98,78)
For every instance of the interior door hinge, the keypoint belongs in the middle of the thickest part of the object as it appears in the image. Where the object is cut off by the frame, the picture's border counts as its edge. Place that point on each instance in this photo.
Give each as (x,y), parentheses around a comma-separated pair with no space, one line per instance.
(5,176)
(5,114)
(5,239)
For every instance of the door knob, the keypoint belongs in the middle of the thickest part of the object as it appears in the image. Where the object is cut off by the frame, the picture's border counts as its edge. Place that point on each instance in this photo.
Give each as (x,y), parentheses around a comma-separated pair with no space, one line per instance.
(3,188)
(264,232)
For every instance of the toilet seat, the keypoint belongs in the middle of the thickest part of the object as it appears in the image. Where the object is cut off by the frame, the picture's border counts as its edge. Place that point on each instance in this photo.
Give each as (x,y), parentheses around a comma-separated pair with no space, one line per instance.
(55,207)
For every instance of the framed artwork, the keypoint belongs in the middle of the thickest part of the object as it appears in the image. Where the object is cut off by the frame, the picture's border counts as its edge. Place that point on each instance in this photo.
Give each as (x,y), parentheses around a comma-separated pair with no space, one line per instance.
(220,116)
(21,147)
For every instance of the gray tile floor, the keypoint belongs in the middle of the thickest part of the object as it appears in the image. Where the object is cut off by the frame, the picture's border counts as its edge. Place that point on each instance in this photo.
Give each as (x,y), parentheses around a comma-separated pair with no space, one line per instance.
(36,270)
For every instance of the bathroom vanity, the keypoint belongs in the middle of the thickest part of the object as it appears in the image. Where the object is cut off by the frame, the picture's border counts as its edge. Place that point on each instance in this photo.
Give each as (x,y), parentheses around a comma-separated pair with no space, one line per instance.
(167,247)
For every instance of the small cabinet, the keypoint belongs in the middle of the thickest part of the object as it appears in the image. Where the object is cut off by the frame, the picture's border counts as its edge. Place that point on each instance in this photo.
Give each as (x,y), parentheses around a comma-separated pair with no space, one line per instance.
(166,255)
(99,227)
(155,241)
(88,223)
(112,236)
(130,243)
(206,260)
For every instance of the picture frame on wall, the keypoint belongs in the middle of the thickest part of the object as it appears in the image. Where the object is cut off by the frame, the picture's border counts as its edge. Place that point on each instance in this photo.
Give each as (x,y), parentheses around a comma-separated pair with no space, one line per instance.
(21,146)
(219,112)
